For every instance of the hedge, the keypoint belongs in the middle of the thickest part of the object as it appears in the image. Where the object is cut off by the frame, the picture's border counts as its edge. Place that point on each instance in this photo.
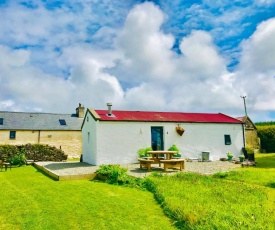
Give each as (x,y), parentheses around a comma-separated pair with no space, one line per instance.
(267,136)
(36,152)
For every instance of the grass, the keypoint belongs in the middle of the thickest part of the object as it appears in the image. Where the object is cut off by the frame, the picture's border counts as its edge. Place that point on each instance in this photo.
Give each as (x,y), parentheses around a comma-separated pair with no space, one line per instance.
(31,200)
(243,199)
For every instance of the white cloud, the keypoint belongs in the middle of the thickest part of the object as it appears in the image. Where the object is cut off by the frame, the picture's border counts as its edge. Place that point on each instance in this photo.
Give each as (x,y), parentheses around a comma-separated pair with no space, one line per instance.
(138,56)
(146,48)
(256,69)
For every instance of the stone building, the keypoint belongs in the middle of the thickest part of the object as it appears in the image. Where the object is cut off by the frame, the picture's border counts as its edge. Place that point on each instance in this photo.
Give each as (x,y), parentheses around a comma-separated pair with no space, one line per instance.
(251,135)
(60,130)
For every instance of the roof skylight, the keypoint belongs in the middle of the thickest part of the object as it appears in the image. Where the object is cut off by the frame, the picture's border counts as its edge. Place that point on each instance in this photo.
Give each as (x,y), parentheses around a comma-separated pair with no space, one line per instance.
(62,121)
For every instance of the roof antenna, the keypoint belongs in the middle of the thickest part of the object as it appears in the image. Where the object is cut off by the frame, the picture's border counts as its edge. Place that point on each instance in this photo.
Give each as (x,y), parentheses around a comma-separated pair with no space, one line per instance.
(243,97)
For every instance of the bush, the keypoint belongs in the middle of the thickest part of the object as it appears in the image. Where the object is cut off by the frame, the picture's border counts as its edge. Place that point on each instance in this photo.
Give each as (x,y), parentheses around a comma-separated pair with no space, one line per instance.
(40,152)
(18,159)
(175,148)
(115,174)
(37,152)
(143,152)
(267,136)
(8,150)
(249,149)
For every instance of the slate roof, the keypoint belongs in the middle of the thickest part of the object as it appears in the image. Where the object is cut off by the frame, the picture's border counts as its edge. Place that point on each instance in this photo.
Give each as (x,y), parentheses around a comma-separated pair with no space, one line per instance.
(39,121)
(163,117)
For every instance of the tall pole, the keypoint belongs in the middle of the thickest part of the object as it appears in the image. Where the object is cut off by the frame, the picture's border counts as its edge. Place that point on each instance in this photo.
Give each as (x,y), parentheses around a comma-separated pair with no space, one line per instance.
(243,97)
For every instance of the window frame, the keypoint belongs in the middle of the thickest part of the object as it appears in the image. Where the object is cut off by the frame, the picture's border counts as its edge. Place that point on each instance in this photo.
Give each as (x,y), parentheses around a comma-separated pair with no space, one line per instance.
(12,135)
(62,122)
(227,139)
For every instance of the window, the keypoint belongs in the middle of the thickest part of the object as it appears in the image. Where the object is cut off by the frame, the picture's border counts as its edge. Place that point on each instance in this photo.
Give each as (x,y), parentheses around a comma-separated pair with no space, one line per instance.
(1,121)
(12,134)
(227,140)
(62,122)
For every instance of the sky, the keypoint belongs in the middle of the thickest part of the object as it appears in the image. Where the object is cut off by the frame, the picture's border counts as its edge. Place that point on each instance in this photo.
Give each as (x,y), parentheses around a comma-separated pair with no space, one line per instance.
(180,55)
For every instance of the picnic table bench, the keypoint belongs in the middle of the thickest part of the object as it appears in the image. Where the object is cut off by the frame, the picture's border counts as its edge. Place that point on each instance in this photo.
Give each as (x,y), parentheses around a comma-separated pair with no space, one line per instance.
(173,163)
(144,162)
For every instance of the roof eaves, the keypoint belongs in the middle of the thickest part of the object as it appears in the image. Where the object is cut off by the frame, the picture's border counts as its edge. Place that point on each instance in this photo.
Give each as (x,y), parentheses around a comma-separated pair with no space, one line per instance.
(93,114)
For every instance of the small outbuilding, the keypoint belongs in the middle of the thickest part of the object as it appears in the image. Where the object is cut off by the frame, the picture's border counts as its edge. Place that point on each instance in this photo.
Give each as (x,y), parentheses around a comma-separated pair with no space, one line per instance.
(114,137)
(251,135)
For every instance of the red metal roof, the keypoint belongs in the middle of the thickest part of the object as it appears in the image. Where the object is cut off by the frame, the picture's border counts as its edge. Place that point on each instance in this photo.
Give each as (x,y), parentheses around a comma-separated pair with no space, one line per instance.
(165,117)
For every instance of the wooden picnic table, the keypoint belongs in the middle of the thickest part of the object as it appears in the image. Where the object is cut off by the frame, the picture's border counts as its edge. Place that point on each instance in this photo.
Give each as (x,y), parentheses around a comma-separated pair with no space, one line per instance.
(157,157)
(156,154)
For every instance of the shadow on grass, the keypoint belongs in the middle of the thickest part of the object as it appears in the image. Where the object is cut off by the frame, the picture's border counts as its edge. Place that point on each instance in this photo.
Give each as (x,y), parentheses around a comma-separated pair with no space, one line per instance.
(38,170)
(265,162)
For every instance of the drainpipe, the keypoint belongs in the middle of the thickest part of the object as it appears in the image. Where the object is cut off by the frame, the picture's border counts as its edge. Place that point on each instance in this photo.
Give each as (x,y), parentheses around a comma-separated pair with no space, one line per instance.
(243,135)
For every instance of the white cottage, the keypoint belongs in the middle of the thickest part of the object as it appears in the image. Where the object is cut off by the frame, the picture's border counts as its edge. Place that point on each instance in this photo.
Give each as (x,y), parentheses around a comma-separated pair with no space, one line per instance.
(114,137)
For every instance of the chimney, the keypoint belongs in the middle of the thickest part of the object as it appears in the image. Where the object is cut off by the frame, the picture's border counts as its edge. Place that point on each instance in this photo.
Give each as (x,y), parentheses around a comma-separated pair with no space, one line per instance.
(109,108)
(80,111)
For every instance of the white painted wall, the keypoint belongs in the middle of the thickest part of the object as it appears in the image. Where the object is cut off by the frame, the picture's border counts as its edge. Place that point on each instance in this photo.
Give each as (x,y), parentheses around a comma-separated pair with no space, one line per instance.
(89,139)
(118,142)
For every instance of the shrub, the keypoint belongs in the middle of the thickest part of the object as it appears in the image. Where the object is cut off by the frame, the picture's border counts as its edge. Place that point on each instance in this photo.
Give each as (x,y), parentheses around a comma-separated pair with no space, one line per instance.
(18,159)
(175,148)
(36,152)
(8,150)
(249,149)
(143,152)
(115,174)
(40,152)
(220,175)
(267,136)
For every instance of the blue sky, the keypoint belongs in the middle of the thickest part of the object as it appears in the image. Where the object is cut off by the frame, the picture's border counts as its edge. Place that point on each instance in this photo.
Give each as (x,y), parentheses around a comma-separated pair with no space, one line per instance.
(190,56)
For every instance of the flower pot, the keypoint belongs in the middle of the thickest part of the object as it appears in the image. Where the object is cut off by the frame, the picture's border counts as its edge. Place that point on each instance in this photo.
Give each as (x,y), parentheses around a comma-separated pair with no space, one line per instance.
(241,159)
(180,130)
(230,158)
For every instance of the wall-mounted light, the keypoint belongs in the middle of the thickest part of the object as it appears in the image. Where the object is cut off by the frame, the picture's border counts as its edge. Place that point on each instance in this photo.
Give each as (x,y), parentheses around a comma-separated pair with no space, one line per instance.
(140,131)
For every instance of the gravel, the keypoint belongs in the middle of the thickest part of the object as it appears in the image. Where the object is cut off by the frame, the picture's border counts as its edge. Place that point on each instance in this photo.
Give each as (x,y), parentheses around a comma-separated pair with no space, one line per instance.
(78,168)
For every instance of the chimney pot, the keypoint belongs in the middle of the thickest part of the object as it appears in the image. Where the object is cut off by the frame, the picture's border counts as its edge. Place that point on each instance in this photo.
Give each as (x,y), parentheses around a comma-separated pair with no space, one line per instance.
(80,111)
(109,108)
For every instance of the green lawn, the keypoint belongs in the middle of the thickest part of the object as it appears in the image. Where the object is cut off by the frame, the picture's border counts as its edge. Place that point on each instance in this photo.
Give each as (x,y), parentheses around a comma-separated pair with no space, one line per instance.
(31,200)
(236,200)
(242,199)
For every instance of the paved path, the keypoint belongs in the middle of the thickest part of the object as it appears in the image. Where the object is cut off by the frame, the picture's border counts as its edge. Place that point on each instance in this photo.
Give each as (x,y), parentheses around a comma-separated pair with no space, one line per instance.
(76,168)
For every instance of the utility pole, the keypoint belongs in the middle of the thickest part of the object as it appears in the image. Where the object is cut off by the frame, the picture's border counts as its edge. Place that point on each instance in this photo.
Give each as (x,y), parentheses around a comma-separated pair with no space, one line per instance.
(243,97)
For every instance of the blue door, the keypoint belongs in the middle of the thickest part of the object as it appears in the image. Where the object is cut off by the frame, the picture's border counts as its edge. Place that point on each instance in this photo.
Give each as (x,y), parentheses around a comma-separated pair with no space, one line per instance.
(157,138)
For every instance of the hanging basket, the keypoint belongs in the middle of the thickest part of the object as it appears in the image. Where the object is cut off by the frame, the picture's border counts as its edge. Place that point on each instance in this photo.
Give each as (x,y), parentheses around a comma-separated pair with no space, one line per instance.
(180,130)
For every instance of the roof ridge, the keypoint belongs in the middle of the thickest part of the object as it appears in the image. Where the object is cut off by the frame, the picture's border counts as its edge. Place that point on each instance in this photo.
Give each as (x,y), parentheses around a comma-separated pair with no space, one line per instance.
(158,111)
(36,113)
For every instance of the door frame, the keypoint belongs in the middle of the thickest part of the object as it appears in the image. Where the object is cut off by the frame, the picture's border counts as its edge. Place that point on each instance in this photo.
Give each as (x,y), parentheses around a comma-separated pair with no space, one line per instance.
(160,129)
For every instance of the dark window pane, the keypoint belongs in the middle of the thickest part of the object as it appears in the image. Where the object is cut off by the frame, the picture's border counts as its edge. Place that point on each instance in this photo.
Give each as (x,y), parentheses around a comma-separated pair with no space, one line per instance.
(227,140)
(1,121)
(62,122)
(12,134)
